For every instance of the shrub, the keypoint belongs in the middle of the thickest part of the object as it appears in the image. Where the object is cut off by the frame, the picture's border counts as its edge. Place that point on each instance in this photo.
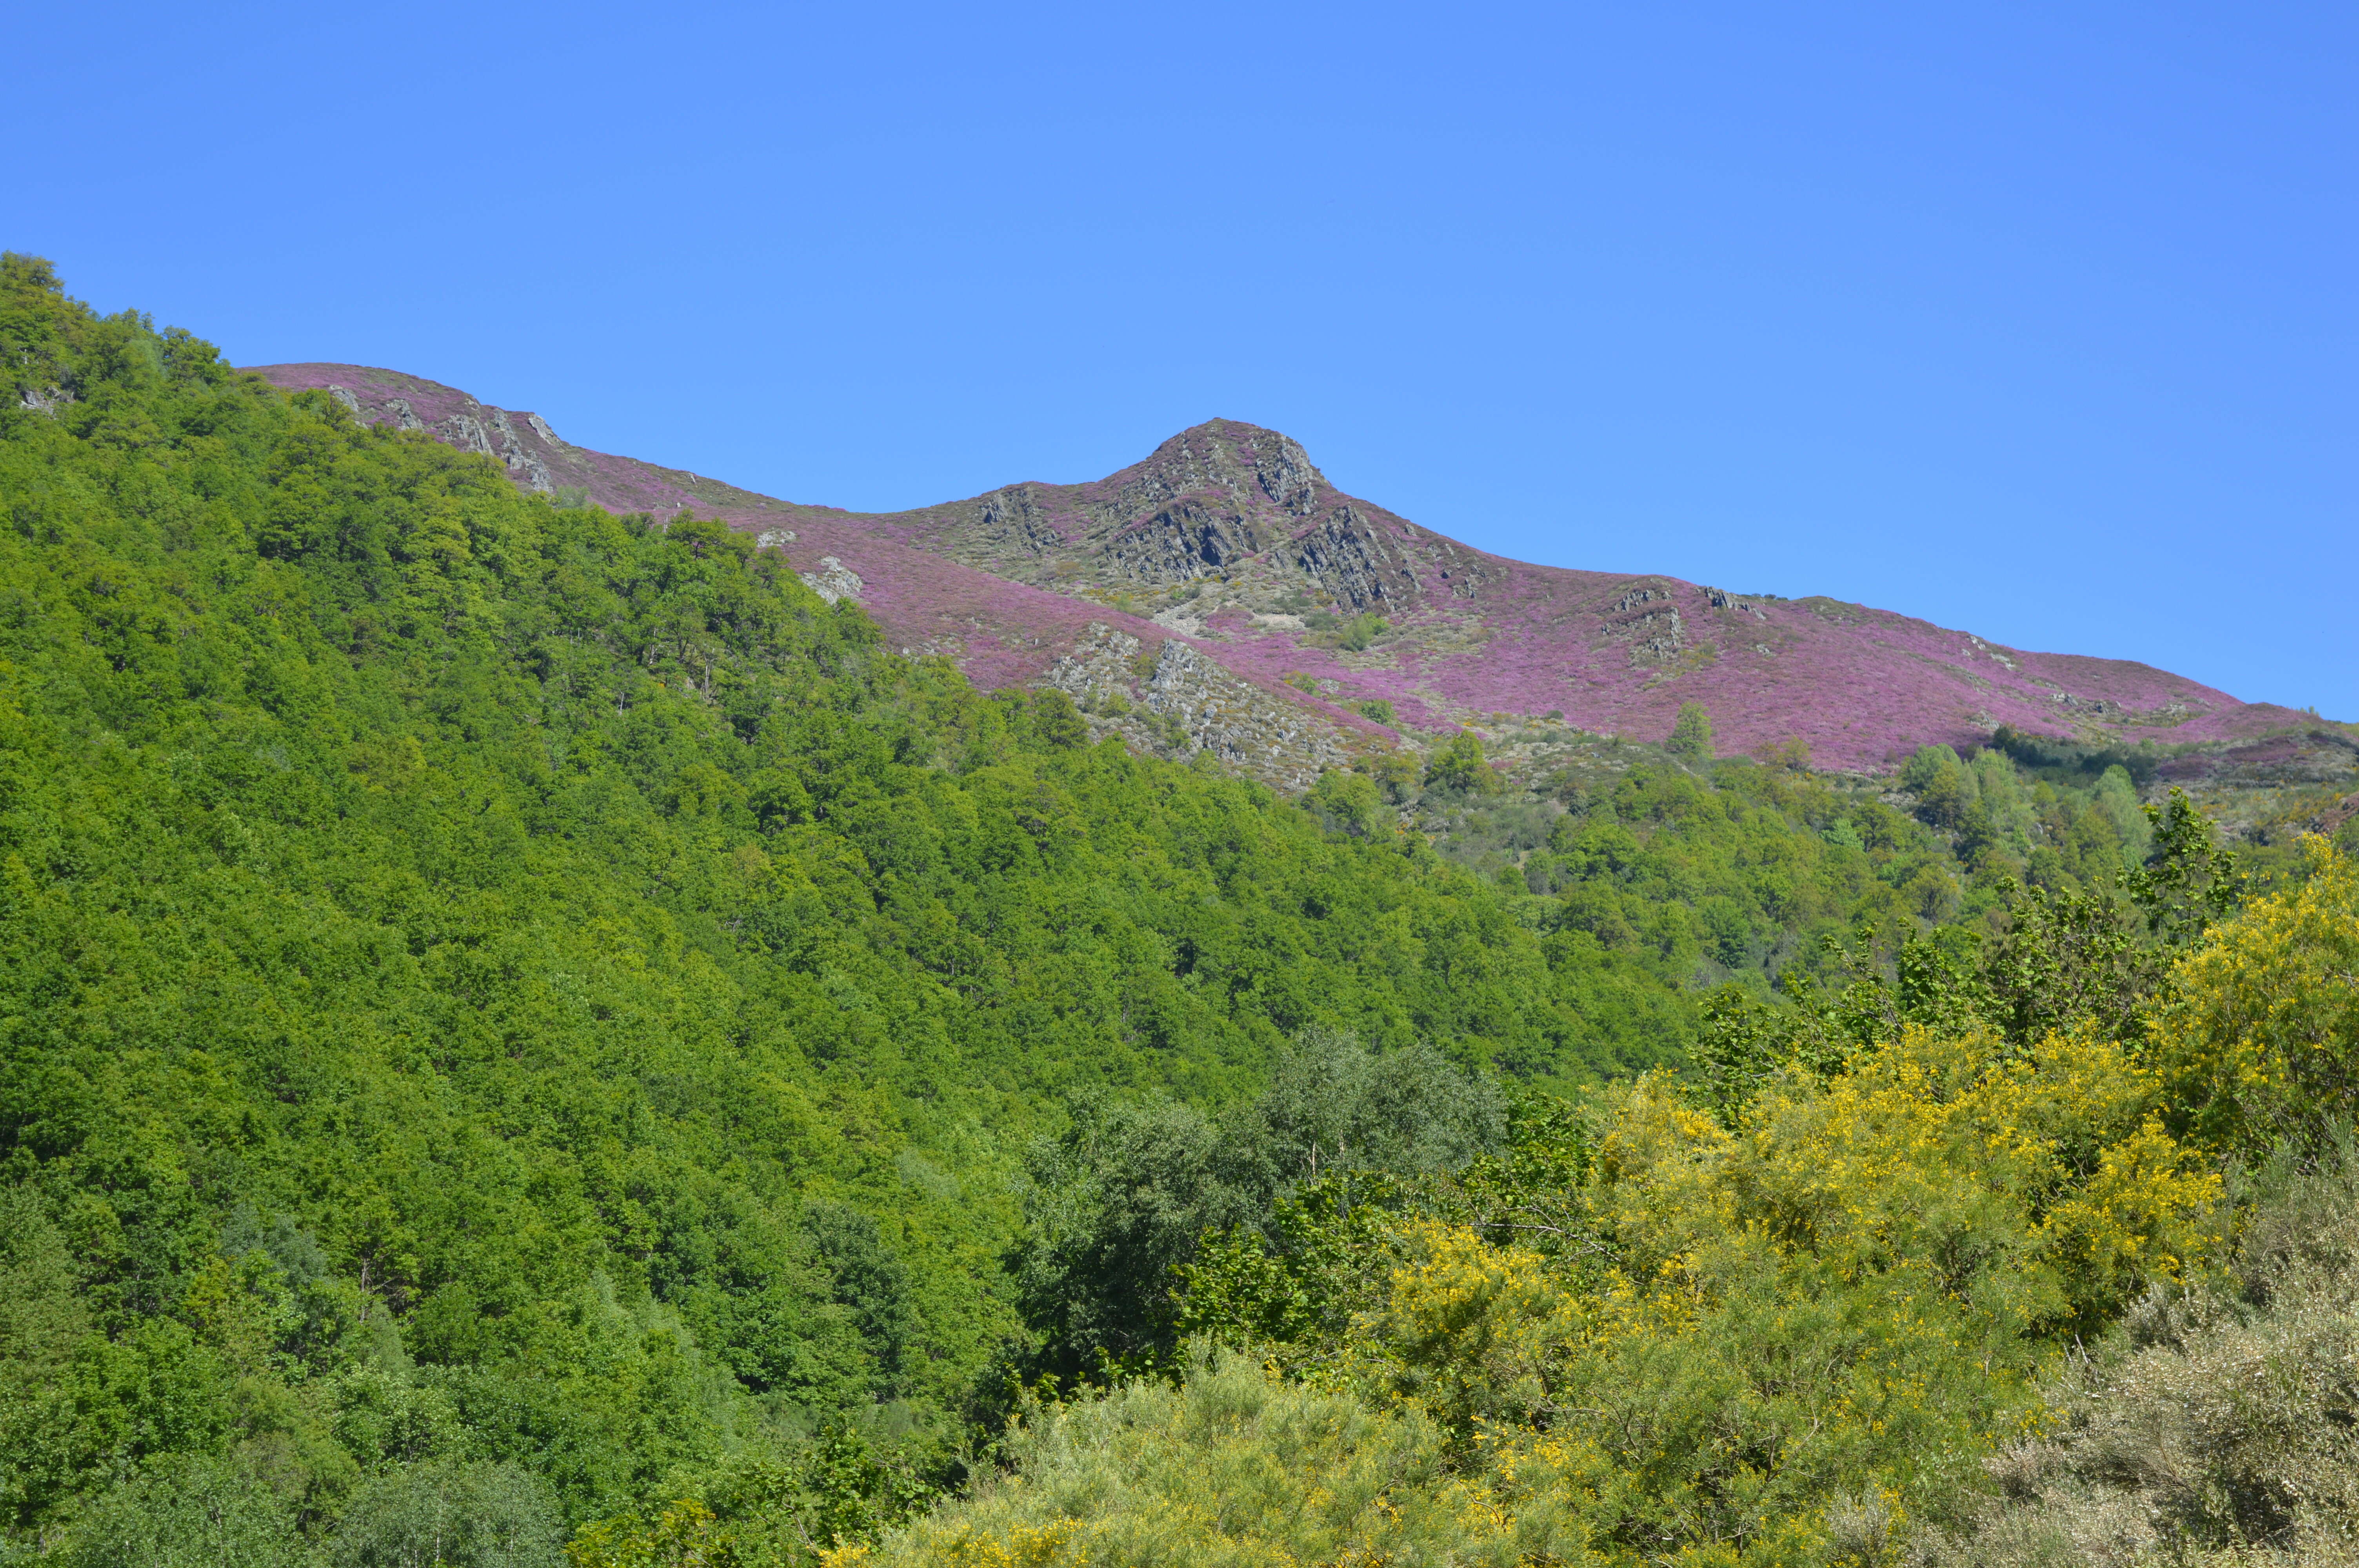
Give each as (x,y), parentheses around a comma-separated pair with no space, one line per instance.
(1691,734)
(196,1514)
(1348,802)
(1234,1468)
(1457,767)
(1395,773)
(2213,1426)
(2262,1038)
(458,1515)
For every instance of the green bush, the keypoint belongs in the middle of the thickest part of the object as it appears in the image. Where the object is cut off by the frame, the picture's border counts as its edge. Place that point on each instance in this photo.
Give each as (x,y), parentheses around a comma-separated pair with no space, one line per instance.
(1457,767)
(198,1513)
(448,1515)
(1691,734)
(2213,1425)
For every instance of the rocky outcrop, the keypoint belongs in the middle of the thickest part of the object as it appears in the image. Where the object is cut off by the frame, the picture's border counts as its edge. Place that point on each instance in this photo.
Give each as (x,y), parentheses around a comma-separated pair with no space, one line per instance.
(1654,637)
(43,399)
(1354,563)
(1173,699)
(470,426)
(1012,520)
(833,580)
(1180,544)
(522,460)
(465,432)
(1284,471)
(1720,599)
(1250,466)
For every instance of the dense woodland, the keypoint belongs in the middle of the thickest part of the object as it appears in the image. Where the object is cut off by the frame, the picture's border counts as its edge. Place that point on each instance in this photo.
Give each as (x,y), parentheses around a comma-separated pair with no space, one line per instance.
(529,1037)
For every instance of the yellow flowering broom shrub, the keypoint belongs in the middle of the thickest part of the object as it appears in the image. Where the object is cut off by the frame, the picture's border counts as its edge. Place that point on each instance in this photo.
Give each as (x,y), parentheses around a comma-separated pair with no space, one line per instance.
(2260,1041)
(1782,1342)
(1820,1319)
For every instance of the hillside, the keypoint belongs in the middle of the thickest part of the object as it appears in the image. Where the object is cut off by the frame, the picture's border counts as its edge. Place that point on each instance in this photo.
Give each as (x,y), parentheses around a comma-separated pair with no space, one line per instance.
(536,1033)
(1201,580)
(509,996)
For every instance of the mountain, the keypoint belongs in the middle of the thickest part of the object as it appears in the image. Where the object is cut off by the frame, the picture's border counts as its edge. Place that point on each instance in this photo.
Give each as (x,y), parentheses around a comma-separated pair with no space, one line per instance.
(522,1025)
(1224,592)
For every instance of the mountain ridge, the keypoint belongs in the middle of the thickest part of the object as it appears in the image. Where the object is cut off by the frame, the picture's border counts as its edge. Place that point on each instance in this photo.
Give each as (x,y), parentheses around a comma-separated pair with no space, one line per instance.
(1228,541)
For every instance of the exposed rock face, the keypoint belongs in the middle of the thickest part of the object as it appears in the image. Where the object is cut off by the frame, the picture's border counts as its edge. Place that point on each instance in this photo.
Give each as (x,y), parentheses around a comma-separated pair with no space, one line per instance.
(465,432)
(1182,542)
(1263,468)
(833,580)
(1284,471)
(1354,563)
(523,442)
(522,460)
(43,399)
(1172,698)
(1013,518)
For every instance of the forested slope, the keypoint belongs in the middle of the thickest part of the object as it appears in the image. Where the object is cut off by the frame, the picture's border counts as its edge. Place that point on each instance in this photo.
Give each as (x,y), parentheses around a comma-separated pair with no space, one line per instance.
(521,1025)
(580,945)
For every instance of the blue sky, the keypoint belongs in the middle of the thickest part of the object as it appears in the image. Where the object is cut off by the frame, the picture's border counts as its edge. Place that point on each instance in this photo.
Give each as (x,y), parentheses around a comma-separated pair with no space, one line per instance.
(2037,320)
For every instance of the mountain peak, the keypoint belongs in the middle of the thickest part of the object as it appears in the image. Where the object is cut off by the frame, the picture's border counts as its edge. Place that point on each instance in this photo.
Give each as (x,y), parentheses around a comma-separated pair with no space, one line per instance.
(1255,467)
(1224,554)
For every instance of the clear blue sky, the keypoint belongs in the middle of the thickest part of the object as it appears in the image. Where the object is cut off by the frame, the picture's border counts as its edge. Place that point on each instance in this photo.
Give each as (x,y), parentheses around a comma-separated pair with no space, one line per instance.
(2037,320)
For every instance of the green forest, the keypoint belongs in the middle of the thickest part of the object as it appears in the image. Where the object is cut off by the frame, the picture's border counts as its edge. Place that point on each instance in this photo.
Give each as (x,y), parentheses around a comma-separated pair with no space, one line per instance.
(532,1039)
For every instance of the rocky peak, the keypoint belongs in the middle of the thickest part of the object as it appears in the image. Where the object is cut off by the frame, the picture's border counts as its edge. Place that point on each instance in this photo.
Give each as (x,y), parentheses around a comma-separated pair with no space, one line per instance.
(1257,599)
(1258,470)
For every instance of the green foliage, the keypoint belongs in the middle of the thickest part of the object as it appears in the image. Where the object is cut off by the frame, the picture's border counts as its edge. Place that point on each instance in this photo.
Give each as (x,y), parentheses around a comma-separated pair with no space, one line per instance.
(1456,767)
(840,1493)
(1635,1336)
(1350,803)
(518,1022)
(2212,1426)
(1693,879)
(2060,959)
(1377,709)
(465,1516)
(2261,1032)
(496,983)
(1231,1469)
(1691,733)
(1361,630)
(2050,963)
(2191,882)
(1395,773)
(1118,1204)
(196,1514)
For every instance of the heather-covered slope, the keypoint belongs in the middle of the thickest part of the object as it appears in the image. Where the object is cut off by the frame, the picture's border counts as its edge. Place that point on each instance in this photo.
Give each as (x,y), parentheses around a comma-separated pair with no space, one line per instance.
(1299,602)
